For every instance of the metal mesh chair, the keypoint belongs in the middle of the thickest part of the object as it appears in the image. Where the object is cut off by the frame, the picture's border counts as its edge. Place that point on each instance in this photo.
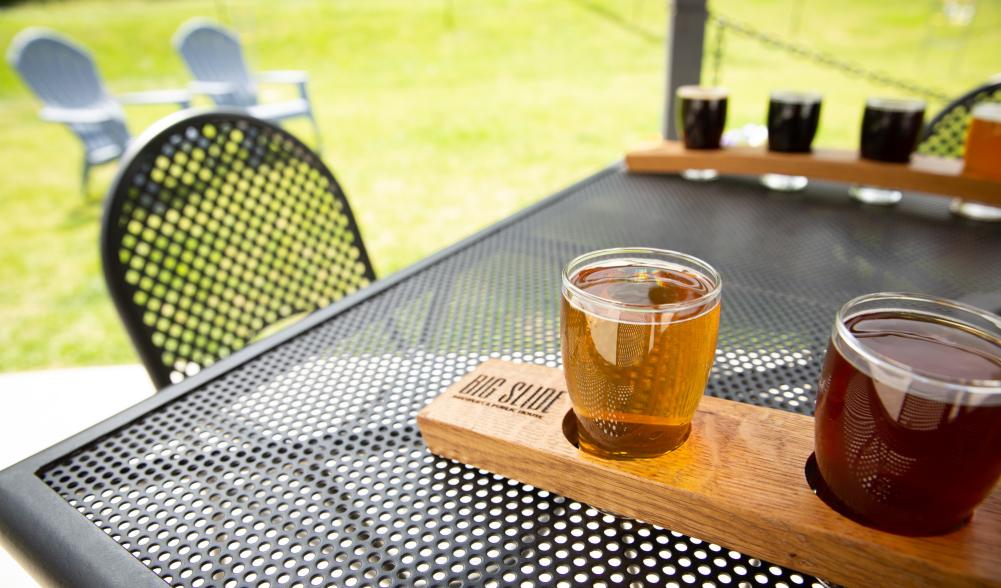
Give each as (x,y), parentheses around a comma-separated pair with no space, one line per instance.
(945,135)
(218,226)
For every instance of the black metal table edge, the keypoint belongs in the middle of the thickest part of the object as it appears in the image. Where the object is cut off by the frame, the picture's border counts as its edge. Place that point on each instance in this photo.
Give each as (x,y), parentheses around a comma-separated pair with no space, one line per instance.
(44,532)
(35,522)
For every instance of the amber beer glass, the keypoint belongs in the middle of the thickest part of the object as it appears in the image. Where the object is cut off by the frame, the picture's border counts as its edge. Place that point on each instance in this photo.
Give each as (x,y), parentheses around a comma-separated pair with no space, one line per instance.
(983,143)
(982,158)
(908,416)
(638,330)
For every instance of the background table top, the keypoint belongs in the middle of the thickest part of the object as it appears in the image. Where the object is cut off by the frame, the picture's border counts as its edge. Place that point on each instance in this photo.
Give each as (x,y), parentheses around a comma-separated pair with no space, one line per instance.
(299,462)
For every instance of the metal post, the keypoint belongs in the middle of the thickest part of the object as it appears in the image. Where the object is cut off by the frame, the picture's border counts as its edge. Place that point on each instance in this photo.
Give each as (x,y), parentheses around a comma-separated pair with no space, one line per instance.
(686,28)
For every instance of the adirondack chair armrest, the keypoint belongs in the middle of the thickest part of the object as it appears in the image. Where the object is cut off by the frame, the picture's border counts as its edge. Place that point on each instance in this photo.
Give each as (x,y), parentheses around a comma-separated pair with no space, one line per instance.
(180,97)
(75,115)
(212,88)
(282,77)
(287,77)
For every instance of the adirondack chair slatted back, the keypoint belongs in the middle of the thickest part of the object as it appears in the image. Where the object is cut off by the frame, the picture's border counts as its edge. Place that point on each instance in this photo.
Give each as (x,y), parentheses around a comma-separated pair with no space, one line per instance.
(62,74)
(945,135)
(214,54)
(219,226)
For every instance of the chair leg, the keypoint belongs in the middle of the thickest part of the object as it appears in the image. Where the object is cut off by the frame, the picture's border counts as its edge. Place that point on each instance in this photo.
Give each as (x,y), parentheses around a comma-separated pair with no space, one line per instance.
(85,178)
(316,133)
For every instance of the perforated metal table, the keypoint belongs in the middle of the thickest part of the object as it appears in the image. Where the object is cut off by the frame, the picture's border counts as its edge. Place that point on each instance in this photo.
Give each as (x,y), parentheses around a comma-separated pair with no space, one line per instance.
(297,461)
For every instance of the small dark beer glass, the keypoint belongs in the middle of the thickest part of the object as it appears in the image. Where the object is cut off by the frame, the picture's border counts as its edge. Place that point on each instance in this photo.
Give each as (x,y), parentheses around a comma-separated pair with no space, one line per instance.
(701,119)
(793,118)
(908,415)
(890,131)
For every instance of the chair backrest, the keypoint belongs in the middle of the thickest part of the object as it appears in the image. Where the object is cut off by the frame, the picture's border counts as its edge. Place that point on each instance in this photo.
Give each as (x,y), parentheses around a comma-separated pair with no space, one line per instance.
(212,53)
(60,72)
(945,135)
(217,226)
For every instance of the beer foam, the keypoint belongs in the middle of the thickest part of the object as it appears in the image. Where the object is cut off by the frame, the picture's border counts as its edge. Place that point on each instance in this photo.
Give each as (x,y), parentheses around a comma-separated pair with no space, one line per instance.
(896,104)
(702,93)
(796,96)
(989,111)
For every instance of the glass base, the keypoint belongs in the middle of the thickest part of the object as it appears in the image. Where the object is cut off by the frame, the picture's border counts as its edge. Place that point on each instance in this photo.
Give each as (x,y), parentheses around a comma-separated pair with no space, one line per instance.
(975,210)
(781,183)
(877,196)
(820,488)
(571,430)
(700,175)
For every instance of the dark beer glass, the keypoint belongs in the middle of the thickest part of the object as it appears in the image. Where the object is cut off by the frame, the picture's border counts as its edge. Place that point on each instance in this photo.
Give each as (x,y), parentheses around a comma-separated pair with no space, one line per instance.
(701,119)
(793,118)
(890,130)
(701,116)
(908,415)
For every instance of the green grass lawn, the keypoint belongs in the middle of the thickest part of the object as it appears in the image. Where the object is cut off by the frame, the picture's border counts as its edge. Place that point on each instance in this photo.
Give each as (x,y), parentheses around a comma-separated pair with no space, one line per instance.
(439,117)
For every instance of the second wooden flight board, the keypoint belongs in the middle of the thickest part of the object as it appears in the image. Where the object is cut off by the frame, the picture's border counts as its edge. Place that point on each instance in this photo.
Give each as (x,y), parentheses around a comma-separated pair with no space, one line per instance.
(933,175)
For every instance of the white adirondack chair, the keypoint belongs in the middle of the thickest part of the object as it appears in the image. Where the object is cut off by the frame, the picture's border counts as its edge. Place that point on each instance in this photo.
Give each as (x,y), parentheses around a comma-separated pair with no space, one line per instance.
(63,76)
(214,56)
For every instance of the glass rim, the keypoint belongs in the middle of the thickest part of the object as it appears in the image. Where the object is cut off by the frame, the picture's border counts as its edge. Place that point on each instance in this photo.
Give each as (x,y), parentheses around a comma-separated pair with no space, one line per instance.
(987,111)
(896,104)
(989,388)
(696,92)
(796,96)
(708,271)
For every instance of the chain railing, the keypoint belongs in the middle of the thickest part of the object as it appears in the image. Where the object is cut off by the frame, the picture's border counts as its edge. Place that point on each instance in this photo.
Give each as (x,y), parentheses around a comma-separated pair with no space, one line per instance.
(722,24)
